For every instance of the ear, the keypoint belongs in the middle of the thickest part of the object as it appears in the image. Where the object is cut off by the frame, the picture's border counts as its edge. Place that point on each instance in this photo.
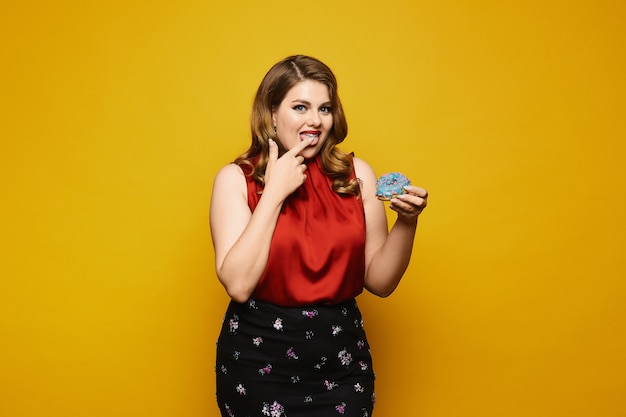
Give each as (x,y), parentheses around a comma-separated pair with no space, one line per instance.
(274,117)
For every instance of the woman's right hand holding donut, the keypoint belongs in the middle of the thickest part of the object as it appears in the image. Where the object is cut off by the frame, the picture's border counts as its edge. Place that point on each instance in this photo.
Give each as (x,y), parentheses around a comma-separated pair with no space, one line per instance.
(285,174)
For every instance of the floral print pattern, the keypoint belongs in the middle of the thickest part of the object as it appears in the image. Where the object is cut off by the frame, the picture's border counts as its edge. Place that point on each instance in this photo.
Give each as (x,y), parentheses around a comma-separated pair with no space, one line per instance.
(233,324)
(273,410)
(278,324)
(345,357)
(325,357)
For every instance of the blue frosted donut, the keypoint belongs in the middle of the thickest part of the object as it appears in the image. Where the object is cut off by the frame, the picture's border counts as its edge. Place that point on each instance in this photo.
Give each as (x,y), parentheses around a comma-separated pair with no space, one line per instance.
(390,185)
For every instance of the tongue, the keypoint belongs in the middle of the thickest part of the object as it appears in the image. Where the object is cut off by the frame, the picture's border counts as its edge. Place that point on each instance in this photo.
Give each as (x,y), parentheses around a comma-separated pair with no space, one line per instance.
(314,138)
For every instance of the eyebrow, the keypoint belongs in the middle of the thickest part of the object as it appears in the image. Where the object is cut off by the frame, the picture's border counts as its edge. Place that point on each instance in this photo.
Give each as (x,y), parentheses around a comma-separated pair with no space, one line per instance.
(308,103)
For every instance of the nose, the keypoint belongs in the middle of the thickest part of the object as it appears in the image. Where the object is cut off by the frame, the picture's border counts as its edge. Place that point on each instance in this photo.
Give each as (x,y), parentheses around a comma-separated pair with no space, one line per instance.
(314,119)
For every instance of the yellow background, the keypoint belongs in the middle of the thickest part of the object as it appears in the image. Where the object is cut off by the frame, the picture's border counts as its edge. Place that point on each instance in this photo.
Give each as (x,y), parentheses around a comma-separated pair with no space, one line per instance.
(115,117)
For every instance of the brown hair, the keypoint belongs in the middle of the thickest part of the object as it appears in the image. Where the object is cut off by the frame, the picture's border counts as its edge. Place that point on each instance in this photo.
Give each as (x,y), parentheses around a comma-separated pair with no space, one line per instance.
(271,92)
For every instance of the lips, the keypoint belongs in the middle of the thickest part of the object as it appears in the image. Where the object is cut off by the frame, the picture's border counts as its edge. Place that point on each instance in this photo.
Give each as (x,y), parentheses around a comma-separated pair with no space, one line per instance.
(311,134)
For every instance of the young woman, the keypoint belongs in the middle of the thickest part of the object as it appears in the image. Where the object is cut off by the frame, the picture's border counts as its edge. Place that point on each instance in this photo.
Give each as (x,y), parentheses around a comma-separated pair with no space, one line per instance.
(298,233)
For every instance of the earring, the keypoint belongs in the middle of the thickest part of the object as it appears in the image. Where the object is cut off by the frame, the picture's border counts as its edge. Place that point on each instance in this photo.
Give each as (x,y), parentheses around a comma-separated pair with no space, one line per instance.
(274,129)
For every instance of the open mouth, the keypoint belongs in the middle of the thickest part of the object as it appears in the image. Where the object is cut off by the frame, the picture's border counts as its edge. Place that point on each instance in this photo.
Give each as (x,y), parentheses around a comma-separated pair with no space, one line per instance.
(313,135)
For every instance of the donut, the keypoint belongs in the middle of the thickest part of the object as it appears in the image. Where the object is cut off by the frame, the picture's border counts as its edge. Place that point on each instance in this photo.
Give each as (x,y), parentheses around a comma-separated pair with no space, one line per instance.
(390,185)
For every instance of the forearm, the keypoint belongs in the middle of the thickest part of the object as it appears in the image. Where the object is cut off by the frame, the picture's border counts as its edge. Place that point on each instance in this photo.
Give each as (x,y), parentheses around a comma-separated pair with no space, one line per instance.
(390,262)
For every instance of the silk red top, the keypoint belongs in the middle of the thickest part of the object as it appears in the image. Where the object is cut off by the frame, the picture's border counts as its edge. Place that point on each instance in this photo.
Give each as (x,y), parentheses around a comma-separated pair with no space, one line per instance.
(317,254)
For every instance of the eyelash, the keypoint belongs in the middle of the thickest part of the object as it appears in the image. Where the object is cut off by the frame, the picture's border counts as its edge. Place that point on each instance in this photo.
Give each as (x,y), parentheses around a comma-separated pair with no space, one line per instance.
(323,109)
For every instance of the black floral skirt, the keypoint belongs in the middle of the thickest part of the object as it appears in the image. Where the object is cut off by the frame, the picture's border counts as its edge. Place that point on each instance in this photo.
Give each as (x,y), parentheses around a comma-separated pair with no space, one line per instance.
(294,361)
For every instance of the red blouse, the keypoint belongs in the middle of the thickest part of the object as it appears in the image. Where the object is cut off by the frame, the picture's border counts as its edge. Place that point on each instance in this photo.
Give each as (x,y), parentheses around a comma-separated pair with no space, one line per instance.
(317,254)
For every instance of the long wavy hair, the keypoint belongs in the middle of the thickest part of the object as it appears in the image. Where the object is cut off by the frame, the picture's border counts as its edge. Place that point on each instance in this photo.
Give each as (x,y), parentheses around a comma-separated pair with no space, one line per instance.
(271,92)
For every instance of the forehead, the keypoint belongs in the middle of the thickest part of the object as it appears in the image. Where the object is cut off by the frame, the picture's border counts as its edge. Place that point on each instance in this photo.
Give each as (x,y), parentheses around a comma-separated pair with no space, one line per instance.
(308,90)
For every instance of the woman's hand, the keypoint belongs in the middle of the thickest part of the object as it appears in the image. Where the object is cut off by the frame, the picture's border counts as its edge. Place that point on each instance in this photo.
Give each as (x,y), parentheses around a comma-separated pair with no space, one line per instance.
(285,174)
(410,205)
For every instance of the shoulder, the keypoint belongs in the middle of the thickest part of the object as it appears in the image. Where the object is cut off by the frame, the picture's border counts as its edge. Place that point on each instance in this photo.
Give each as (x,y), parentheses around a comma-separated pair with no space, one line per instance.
(230,177)
(230,170)
(367,178)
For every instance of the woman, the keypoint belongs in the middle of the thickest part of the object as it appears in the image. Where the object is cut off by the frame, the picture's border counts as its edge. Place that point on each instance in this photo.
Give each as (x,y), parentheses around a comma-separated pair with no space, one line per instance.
(298,233)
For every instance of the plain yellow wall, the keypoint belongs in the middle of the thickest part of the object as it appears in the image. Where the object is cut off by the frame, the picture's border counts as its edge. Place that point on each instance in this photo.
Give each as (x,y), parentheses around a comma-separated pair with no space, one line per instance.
(116,115)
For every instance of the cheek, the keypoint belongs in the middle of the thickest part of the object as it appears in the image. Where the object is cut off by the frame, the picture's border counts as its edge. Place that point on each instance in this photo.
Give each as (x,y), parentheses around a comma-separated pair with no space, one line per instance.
(285,121)
(329,125)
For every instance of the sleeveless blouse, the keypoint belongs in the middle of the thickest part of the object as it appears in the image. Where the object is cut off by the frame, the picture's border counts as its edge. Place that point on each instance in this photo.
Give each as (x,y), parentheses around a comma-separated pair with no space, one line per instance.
(317,253)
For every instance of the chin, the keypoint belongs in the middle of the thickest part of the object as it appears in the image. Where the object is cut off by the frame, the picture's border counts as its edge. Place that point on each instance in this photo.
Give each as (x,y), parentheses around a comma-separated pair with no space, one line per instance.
(309,153)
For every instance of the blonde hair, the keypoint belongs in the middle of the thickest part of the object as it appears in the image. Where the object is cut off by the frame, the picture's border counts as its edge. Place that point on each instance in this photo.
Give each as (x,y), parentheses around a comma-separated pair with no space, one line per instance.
(271,92)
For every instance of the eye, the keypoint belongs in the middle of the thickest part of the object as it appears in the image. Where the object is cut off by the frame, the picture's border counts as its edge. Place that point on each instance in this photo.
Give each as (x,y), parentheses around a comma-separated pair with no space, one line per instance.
(325,109)
(299,107)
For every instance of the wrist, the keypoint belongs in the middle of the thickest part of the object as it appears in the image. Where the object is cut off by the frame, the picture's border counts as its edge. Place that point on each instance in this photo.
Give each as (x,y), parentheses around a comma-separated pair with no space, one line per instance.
(408,222)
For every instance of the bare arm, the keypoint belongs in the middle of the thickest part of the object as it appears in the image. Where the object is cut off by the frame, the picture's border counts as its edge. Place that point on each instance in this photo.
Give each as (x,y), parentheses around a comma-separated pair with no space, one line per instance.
(242,239)
(387,254)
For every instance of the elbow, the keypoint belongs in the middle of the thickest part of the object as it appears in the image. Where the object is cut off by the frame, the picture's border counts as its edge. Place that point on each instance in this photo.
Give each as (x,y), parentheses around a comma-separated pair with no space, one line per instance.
(382,291)
(385,294)
(235,287)
(382,284)
(238,297)
(382,294)
(238,293)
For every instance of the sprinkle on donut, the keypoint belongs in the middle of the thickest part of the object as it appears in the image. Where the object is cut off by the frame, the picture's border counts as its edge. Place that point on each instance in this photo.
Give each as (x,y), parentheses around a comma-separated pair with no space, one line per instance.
(390,185)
